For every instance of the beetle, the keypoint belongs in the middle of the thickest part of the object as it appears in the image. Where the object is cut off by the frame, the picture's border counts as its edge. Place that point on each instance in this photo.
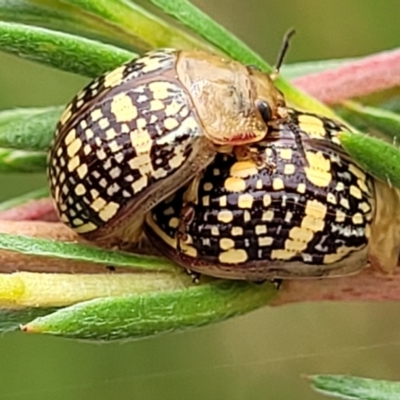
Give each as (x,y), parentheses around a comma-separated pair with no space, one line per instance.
(314,213)
(141,131)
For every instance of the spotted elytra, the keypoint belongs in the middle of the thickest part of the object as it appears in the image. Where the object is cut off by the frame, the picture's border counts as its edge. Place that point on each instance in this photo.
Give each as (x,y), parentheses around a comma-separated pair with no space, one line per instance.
(140,132)
(314,213)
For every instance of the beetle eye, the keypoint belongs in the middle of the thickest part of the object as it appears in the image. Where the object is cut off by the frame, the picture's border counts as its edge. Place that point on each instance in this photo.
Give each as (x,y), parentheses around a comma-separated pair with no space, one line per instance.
(265,111)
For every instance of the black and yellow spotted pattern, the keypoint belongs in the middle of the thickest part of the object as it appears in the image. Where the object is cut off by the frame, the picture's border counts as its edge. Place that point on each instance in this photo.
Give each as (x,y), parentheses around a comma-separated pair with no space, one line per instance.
(305,212)
(122,134)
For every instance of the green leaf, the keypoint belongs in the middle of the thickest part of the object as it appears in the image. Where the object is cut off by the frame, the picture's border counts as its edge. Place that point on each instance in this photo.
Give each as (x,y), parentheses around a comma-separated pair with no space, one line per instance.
(60,50)
(147,30)
(348,387)
(63,17)
(28,128)
(206,27)
(81,252)
(140,316)
(376,156)
(386,122)
(16,201)
(22,161)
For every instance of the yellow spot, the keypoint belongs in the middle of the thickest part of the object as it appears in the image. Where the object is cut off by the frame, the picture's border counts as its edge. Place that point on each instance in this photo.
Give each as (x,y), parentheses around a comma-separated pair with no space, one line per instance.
(339,186)
(315,209)
(214,231)
(111,133)
(70,137)
(156,105)
(357,219)
(89,133)
(246,216)
(82,171)
(207,186)
(267,215)
(88,227)
(243,169)
(281,254)
(267,200)
(123,109)
(205,201)
(80,189)
(73,163)
(331,198)
(142,143)
(173,108)
(355,192)
(259,184)
(278,184)
(237,231)
(265,241)
(66,115)
(233,256)
(160,89)
(225,216)
(114,78)
(114,146)
(108,211)
(286,154)
(295,246)
(301,188)
(345,203)
(223,201)
(226,244)
(340,216)
(318,171)
(173,223)
(357,172)
(188,250)
(289,169)
(362,185)
(245,201)
(94,193)
(364,207)
(367,231)
(312,224)
(233,184)
(74,147)
(87,149)
(77,222)
(98,204)
(104,123)
(150,64)
(311,125)
(300,235)
(261,229)
(171,123)
(96,114)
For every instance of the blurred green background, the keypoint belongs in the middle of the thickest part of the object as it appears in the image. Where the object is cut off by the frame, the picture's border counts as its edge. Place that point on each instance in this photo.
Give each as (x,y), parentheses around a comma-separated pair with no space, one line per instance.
(263,354)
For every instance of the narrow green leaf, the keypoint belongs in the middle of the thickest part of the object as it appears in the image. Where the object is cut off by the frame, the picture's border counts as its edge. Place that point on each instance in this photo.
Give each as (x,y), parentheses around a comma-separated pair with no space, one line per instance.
(206,27)
(81,252)
(28,128)
(16,201)
(22,161)
(140,316)
(348,387)
(376,156)
(55,15)
(147,30)
(61,50)
(384,121)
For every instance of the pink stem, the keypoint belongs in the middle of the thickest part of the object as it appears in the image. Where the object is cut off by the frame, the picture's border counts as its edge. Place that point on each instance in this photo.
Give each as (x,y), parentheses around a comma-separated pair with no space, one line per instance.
(34,210)
(358,78)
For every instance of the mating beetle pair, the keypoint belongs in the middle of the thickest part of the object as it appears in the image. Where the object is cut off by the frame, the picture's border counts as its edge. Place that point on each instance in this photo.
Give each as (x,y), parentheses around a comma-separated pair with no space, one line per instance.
(273,195)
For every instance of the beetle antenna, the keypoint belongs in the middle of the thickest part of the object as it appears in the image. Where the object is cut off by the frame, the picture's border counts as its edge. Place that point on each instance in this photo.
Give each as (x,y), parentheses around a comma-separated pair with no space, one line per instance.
(282,52)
